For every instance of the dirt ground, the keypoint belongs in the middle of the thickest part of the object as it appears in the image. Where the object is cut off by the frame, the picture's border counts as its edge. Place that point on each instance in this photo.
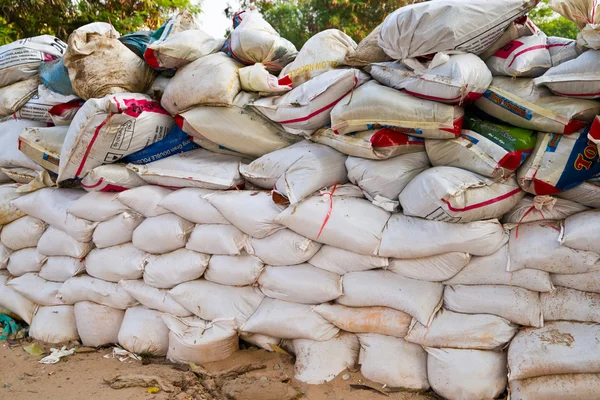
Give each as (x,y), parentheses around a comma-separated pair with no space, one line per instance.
(84,376)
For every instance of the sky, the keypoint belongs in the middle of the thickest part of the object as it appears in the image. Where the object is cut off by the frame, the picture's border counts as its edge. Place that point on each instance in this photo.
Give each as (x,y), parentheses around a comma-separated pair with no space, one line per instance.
(212,19)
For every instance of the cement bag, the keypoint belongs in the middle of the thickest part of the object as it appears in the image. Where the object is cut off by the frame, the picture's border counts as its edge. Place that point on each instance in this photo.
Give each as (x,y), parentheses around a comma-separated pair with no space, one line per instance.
(256,78)
(491,270)
(324,219)
(393,362)
(111,178)
(60,269)
(520,103)
(23,232)
(463,331)
(36,289)
(190,204)
(238,127)
(216,239)
(583,14)
(115,263)
(454,195)
(458,374)
(556,387)
(537,246)
(242,270)
(153,298)
(15,302)
(586,193)
(527,56)
(100,65)
(255,41)
(116,231)
(210,300)
(323,52)
(209,81)
(176,141)
(54,324)
(109,128)
(538,208)
(560,347)
(162,234)
(10,156)
(97,325)
(442,26)
(47,106)
(285,320)
(180,48)
(586,282)
(436,268)
(144,332)
(571,305)
(563,50)
(284,247)
(21,59)
(320,362)
(340,261)
(367,52)
(98,206)
(579,231)
(86,288)
(420,299)
(520,27)
(169,270)
(451,79)
(145,200)
(374,106)
(252,212)
(55,242)
(300,284)
(192,340)
(381,320)
(24,261)
(383,180)
(15,96)
(515,304)
(576,78)
(307,108)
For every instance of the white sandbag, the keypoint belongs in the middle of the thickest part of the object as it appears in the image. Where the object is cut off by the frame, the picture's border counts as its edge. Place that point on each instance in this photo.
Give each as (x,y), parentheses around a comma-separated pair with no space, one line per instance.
(168,270)
(491,270)
(156,299)
(536,245)
(54,324)
(410,237)
(116,231)
(458,374)
(427,28)
(115,263)
(284,247)
(320,362)
(51,205)
(55,242)
(521,27)
(374,106)
(216,239)
(520,103)
(15,302)
(15,96)
(586,282)
(307,108)
(144,332)
(24,232)
(190,204)
(571,305)
(256,78)
(560,347)
(98,206)
(575,78)
(285,320)
(515,304)
(463,331)
(181,48)
(367,52)
(340,261)
(420,299)
(264,342)
(381,320)
(86,288)
(556,387)
(37,290)
(97,325)
(4,256)
(580,231)
(321,53)
(110,128)
(436,268)
(162,234)
(145,200)
(111,178)
(393,362)
(586,193)
(325,219)
(209,81)
(196,168)
(563,50)
(210,300)
(24,261)
(528,56)
(583,14)
(455,195)
(50,107)
(9,210)
(242,270)
(538,208)
(60,269)
(10,155)
(451,79)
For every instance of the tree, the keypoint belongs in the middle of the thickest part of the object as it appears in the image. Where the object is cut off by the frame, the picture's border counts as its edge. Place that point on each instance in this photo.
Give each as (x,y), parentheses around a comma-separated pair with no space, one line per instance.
(552,23)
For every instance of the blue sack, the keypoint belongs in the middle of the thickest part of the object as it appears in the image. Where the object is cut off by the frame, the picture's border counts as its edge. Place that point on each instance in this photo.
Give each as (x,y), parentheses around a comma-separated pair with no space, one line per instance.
(176,141)
(55,76)
(137,41)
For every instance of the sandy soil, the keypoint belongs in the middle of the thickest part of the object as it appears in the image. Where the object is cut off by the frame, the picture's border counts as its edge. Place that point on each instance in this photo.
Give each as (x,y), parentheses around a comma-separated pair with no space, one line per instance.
(83,375)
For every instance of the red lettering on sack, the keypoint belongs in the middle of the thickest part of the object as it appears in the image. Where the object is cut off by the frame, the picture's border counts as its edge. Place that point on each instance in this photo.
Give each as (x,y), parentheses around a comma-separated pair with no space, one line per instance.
(508,49)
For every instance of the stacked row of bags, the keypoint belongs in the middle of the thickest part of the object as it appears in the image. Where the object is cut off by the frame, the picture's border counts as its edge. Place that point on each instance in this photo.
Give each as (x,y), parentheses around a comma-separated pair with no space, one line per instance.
(330,201)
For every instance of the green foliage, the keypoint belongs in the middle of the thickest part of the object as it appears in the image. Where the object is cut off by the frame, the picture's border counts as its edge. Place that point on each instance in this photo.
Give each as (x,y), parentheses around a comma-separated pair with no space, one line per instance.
(552,23)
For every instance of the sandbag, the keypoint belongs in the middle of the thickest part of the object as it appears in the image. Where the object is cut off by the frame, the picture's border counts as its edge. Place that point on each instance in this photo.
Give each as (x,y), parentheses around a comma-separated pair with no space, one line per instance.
(145,200)
(111,178)
(14,301)
(162,234)
(538,208)
(98,206)
(563,50)
(116,231)
(4,256)
(153,298)
(115,263)
(242,270)
(571,305)
(60,269)
(264,342)
(24,261)
(168,270)
(216,239)
(176,141)
(436,268)
(583,14)
(10,156)
(55,242)
(144,332)
(256,78)
(575,78)
(97,325)
(556,387)
(367,52)
(580,231)
(86,288)
(15,96)
(180,48)
(49,107)
(528,56)
(23,232)
(190,204)
(340,261)
(54,324)
(36,289)
(284,247)
(586,282)
(585,193)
